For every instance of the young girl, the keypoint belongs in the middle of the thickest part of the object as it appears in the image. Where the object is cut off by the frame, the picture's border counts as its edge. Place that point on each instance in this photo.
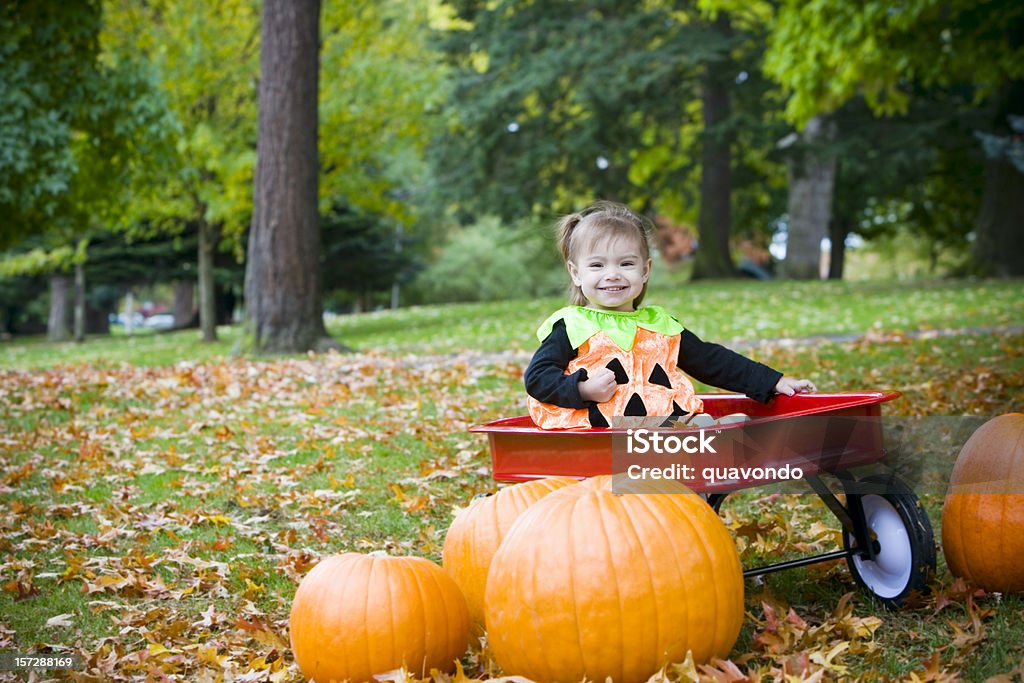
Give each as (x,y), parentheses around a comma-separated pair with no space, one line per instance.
(606,356)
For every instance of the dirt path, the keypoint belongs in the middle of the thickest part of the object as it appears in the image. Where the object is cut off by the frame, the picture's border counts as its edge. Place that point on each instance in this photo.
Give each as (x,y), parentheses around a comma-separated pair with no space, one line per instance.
(880,337)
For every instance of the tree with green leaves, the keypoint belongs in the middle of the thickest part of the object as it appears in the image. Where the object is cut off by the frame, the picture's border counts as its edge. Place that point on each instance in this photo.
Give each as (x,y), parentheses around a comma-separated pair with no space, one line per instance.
(918,171)
(382,94)
(80,131)
(827,52)
(205,58)
(364,253)
(381,102)
(558,103)
(48,69)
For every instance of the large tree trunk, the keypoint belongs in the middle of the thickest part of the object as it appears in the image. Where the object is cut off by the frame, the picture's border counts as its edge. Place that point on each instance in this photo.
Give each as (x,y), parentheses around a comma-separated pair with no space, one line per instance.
(282,278)
(58,327)
(209,236)
(714,222)
(1000,224)
(811,183)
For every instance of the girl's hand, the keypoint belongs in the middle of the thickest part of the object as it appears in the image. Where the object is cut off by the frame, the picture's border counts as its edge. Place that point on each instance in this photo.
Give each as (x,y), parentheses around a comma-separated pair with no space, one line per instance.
(599,386)
(789,386)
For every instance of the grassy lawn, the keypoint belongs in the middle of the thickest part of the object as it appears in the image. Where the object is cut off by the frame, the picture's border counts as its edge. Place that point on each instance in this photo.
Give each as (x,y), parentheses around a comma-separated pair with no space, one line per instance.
(161,497)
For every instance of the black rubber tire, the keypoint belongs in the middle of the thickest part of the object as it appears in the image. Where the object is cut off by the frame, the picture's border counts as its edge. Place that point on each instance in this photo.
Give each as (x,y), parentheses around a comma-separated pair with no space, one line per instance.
(906,570)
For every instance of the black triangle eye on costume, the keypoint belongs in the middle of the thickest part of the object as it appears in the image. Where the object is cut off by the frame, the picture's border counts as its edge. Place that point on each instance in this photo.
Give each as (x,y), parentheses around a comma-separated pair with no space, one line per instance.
(659,376)
(615,365)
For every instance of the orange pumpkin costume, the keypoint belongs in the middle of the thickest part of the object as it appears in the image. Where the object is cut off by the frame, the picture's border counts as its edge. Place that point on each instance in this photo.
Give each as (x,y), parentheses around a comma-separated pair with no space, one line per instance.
(641,347)
(648,349)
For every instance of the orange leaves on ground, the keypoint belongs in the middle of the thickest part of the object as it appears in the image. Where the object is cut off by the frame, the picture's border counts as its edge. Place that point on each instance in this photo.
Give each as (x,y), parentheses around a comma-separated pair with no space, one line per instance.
(181,505)
(787,646)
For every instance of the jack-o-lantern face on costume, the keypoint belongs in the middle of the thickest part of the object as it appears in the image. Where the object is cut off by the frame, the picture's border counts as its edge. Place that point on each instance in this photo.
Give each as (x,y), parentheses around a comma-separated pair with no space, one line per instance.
(641,348)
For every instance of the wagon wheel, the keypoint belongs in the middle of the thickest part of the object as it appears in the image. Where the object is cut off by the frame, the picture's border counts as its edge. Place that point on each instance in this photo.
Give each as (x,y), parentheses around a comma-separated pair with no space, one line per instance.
(903,541)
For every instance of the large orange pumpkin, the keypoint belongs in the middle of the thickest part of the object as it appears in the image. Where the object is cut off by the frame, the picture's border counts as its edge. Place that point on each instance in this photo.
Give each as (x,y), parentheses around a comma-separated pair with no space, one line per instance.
(983,514)
(477,531)
(589,583)
(358,615)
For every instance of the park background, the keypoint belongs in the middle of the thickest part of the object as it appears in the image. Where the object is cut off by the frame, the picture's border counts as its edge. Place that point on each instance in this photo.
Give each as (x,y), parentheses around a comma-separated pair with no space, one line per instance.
(166,481)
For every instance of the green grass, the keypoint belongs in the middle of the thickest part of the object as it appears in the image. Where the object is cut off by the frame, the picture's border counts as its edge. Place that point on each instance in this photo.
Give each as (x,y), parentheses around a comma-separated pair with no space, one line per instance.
(719,311)
(159,448)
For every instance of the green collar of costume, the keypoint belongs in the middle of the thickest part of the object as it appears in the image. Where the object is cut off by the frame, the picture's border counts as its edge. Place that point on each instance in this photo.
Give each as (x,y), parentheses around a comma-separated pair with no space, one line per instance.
(583,323)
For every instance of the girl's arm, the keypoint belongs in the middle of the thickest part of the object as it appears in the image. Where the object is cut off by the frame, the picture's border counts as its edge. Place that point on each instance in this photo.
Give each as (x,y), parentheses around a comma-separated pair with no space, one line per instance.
(545,377)
(720,367)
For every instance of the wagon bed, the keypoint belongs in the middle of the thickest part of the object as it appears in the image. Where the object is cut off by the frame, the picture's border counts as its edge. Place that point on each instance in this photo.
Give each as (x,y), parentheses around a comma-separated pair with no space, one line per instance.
(520,451)
(888,542)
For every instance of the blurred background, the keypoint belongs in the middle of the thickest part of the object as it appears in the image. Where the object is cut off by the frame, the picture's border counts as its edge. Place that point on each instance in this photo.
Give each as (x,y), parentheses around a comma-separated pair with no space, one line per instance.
(765,139)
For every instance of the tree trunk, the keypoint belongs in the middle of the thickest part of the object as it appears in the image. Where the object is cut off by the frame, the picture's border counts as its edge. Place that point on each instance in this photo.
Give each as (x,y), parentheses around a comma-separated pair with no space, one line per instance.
(97,320)
(184,303)
(58,327)
(282,279)
(1000,223)
(209,236)
(80,304)
(714,222)
(839,229)
(811,183)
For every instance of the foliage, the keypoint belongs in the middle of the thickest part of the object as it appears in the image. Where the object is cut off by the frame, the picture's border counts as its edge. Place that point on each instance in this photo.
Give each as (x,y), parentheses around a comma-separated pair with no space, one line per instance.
(488,262)
(381,99)
(20,304)
(363,252)
(205,59)
(34,260)
(45,70)
(828,51)
(653,105)
(78,131)
(557,103)
(924,162)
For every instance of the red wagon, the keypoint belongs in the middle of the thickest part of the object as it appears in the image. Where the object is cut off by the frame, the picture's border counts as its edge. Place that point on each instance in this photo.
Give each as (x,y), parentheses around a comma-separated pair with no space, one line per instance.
(887,538)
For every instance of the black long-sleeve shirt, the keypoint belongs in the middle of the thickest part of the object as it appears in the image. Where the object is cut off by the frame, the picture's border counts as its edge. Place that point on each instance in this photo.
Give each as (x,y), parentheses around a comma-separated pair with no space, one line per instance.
(706,362)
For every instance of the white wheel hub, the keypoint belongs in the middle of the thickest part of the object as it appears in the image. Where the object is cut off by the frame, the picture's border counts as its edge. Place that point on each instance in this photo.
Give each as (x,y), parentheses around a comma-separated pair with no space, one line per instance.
(888,574)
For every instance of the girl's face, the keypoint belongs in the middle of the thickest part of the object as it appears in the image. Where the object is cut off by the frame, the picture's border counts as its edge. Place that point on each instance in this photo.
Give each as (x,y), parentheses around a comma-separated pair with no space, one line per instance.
(611,272)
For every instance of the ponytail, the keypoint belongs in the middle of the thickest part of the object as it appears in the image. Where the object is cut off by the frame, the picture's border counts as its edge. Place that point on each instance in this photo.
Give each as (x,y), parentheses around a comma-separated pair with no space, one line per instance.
(564,229)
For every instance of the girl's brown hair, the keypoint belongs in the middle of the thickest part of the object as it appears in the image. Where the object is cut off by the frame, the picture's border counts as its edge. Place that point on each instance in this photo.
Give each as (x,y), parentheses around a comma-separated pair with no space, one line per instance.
(601,220)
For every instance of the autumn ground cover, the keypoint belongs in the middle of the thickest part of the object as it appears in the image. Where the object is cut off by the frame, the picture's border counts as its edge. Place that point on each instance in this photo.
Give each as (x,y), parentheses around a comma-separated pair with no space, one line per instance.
(161,499)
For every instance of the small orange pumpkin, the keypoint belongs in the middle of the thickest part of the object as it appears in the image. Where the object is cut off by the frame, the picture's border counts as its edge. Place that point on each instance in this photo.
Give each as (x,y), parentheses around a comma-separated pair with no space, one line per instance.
(477,531)
(590,583)
(358,615)
(983,514)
